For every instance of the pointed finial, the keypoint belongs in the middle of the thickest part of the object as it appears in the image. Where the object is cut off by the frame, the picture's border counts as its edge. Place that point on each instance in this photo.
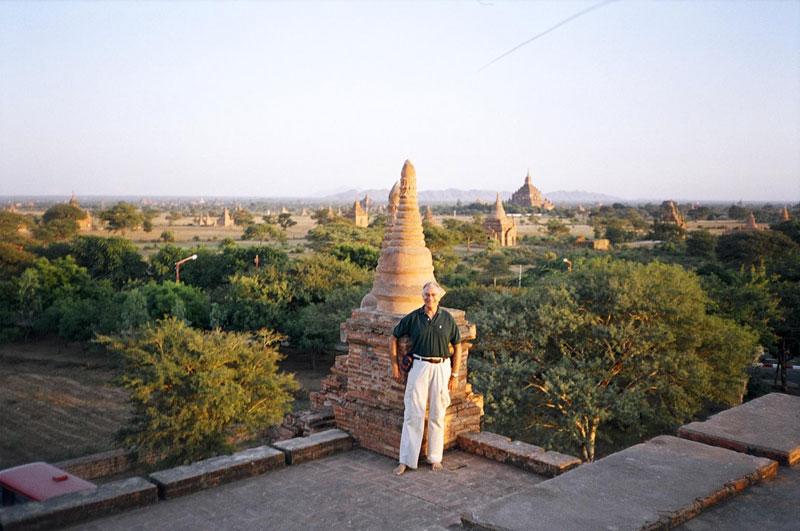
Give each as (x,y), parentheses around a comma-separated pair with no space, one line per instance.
(394,194)
(408,178)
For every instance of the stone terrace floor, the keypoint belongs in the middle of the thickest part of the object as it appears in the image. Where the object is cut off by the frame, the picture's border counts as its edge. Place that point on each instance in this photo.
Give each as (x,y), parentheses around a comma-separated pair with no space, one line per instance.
(352,490)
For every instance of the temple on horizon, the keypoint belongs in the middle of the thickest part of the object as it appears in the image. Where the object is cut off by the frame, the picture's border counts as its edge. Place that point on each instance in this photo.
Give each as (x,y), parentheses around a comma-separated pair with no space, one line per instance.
(530,196)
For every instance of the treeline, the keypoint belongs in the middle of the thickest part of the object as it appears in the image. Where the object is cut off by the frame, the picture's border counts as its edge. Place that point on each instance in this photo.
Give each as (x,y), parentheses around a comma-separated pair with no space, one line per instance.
(93,285)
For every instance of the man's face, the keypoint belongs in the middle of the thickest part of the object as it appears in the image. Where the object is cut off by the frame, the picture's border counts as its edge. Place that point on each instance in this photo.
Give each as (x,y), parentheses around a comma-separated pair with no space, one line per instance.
(431,297)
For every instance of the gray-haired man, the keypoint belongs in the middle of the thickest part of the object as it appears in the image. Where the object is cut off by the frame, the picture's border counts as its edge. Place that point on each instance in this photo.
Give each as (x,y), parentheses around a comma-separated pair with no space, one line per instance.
(431,379)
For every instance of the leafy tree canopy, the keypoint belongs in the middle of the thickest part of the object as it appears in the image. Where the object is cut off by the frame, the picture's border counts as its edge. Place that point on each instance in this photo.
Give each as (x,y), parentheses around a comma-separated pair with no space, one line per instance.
(122,217)
(326,237)
(195,394)
(63,211)
(612,342)
(752,247)
(263,231)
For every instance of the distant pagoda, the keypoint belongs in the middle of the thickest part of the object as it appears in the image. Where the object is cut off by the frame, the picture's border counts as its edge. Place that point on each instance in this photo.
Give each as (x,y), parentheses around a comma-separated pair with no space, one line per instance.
(530,196)
(84,223)
(358,215)
(428,218)
(499,227)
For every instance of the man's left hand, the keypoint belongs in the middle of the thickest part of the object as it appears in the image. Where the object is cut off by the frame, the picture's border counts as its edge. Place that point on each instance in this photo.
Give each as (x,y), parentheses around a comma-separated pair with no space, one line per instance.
(452,384)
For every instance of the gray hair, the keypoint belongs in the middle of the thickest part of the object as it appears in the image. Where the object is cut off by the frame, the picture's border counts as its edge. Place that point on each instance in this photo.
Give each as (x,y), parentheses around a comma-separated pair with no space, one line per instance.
(436,285)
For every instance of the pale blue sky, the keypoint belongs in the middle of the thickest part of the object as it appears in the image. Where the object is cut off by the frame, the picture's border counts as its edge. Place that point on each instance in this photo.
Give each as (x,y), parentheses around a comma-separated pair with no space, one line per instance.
(637,99)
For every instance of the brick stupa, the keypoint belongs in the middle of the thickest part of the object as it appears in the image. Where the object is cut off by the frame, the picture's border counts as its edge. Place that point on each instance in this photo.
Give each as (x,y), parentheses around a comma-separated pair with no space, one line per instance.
(499,227)
(366,400)
(429,217)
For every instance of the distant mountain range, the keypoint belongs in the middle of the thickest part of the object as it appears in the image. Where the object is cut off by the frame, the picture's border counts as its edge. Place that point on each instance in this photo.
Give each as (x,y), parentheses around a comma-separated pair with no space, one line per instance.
(452,195)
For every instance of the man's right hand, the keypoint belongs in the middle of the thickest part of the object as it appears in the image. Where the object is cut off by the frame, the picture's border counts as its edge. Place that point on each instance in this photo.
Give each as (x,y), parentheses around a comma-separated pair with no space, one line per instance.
(396,374)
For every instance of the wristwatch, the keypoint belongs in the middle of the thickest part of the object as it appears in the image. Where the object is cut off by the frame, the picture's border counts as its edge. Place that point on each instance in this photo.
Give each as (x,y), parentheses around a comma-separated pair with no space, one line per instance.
(454,375)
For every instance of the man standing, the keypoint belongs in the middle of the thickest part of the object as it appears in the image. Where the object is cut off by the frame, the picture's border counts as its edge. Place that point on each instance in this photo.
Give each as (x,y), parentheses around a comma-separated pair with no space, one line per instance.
(432,331)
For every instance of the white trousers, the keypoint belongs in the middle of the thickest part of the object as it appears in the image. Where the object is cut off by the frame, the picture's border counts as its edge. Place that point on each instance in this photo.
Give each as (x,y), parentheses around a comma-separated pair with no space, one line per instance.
(425,381)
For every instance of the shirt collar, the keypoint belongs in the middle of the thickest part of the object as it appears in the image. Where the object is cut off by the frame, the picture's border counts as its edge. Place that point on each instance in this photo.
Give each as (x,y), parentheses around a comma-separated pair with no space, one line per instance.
(422,312)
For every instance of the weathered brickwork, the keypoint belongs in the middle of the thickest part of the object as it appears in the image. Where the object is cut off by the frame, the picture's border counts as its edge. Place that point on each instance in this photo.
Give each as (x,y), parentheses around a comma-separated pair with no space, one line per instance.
(215,471)
(306,422)
(104,463)
(517,453)
(324,443)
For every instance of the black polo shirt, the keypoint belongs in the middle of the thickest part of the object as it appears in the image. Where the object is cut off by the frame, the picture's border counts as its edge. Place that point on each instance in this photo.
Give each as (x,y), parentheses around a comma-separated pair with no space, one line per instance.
(431,337)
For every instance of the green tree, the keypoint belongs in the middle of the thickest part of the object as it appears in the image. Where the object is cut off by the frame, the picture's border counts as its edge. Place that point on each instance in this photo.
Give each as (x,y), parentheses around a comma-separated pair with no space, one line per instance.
(468,230)
(13,259)
(194,394)
(167,236)
(11,223)
(29,299)
(256,300)
(114,258)
(242,217)
(313,277)
(165,298)
(667,232)
(745,297)
(438,239)
(121,217)
(753,247)
(557,229)
(325,237)
(613,343)
(790,228)
(60,223)
(63,211)
(285,221)
(261,232)
(174,216)
(701,243)
(737,212)
(496,265)
(361,255)
(317,325)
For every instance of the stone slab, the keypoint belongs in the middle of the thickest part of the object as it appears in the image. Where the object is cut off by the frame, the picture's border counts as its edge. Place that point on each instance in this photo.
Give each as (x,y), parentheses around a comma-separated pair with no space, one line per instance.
(316,445)
(768,426)
(655,485)
(769,506)
(216,471)
(75,507)
(517,453)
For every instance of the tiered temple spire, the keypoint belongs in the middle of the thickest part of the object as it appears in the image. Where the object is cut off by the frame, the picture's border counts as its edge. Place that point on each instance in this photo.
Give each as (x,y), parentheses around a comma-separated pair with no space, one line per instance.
(405,264)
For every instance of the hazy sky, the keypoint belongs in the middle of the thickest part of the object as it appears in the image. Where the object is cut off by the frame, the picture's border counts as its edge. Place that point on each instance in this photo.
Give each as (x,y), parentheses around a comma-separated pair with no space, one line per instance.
(638,99)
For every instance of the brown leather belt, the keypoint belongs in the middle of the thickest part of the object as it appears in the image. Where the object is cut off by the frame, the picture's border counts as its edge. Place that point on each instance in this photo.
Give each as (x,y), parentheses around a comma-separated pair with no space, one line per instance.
(429,360)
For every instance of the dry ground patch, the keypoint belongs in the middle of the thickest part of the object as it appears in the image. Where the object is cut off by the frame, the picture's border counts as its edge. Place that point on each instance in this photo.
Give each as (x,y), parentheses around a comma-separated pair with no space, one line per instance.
(58,401)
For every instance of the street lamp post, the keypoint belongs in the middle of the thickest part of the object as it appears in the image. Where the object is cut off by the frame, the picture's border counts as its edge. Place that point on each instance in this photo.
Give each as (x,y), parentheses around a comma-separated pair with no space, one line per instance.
(569,265)
(178,267)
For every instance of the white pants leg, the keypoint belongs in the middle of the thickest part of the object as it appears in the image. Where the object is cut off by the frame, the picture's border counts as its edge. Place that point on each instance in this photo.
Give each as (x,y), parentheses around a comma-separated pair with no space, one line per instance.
(426,382)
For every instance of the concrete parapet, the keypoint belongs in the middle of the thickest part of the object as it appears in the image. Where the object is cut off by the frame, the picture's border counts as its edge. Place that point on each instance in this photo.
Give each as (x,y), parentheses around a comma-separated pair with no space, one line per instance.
(79,506)
(768,426)
(655,485)
(517,453)
(320,444)
(216,471)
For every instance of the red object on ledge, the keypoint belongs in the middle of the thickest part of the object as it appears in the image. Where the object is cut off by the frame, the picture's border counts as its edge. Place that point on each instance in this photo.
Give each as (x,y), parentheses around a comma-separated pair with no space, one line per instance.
(38,482)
